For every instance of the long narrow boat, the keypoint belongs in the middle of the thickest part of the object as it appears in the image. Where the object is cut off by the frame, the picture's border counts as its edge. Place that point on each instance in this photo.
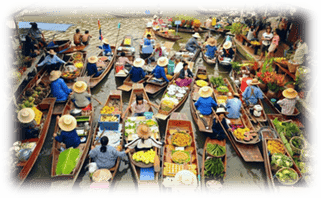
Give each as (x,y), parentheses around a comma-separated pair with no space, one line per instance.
(126,47)
(167,36)
(138,167)
(225,63)
(59,45)
(210,62)
(283,118)
(83,147)
(73,48)
(46,107)
(203,123)
(128,83)
(153,37)
(74,59)
(153,88)
(179,123)
(106,64)
(206,155)
(191,31)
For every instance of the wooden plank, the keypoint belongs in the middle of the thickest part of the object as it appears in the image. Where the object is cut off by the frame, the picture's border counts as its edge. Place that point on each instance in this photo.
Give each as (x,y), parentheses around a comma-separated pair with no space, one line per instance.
(161,116)
(125,87)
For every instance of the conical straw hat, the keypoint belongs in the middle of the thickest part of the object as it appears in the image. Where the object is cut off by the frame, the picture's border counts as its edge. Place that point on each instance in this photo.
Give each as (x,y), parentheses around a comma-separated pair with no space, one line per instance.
(80,87)
(54,75)
(205,91)
(26,115)
(67,123)
(290,93)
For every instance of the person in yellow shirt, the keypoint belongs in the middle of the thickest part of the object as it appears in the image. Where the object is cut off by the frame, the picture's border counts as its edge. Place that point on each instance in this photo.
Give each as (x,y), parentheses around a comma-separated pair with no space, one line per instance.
(214,21)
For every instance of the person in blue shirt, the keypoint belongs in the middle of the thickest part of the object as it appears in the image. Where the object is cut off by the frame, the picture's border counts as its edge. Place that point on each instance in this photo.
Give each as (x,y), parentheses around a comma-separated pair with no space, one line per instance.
(159,71)
(210,48)
(59,89)
(192,43)
(148,40)
(218,122)
(68,134)
(205,102)
(233,107)
(106,48)
(137,73)
(52,61)
(92,67)
(252,93)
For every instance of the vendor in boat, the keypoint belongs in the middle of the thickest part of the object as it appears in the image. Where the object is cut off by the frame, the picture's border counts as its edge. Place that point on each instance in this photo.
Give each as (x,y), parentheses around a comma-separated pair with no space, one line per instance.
(157,52)
(205,102)
(287,105)
(137,72)
(159,71)
(219,121)
(121,62)
(227,50)
(105,48)
(80,97)
(26,117)
(68,134)
(185,77)
(140,106)
(52,61)
(192,43)
(144,141)
(252,93)
(92,68)
(59,89)
(36,35)
(148,41)
(233,107)
(105,156)
(210,48)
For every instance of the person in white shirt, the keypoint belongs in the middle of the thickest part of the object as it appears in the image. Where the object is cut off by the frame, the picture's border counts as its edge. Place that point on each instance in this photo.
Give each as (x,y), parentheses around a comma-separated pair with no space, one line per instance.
(266,41)
(301,50)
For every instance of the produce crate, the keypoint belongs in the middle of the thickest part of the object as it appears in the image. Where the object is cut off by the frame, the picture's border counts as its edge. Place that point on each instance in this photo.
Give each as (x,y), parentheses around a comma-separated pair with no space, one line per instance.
(108,125)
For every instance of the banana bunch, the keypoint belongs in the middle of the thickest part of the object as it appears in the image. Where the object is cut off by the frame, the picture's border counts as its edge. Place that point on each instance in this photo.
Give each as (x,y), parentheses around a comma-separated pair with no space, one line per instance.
(145,157)
(107,110)
(239,133)
(279,59)
(201,83)
(105,118)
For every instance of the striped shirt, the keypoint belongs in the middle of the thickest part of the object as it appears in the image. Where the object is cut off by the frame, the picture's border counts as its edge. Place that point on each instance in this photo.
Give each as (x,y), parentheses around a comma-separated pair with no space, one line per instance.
(288,105)
(149,143)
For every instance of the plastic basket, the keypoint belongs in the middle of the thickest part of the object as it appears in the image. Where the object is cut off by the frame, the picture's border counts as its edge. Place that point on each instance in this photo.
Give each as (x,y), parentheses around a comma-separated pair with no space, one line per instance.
(108,125)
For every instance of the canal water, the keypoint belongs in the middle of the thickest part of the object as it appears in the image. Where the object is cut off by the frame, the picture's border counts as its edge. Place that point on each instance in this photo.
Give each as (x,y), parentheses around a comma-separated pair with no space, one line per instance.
(240,175)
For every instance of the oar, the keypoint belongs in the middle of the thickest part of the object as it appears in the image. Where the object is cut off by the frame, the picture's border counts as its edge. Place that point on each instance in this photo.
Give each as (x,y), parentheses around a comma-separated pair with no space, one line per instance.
(99,137)
(156,163)
(97,100)
(38,81)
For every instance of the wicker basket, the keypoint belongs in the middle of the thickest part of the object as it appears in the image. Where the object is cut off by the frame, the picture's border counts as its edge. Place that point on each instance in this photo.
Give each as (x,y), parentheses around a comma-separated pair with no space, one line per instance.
(292,67)
(295,149)
(290,183)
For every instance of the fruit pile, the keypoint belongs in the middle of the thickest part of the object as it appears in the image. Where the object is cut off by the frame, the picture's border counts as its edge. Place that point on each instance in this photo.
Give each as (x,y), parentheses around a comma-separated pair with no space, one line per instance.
(201,83)
(244,134)
(107,110)
(106,118)
(275,146)
(145,157)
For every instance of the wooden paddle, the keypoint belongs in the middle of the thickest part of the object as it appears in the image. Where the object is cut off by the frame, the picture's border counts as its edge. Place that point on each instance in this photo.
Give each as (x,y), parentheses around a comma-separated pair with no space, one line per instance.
(38,81)
(97,100)
(99,137)
(156,162)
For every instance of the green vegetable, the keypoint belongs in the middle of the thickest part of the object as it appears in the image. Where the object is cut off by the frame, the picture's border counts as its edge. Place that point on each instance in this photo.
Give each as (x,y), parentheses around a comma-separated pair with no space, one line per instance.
(218,81)
(215,149)
(290,129)
(67,161)
(288,147)
(214,167)
(223,89)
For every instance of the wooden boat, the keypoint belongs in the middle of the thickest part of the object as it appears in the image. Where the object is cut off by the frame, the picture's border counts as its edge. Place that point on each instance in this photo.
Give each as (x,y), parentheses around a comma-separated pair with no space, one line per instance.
(210,62)
(205,155)
(128,53)
(128,83)
(153,37)
(83,147)
(80,72)
(179,121)
(161,114)
(46,107)
(105,64)
(220,58)
(167,36)
(153,88)
(283,118)
(137,166)
(276,111)
(73,48)
(60,45)
(205,122)
(192,31)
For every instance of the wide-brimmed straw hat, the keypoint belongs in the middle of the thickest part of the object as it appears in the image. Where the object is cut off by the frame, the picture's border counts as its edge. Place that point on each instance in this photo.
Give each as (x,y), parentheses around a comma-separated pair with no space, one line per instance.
(236,94)
(52,52)
(138,62)
(67,123)
(105,41)
(221,110)
(54,75)
(196,35)
(26,115)
(227,45)
(101,175)
(186,178)
(255,82)
(162,61)
(80,87)
(211,41)
(143,131)
(205,91)
(290,93)
(93,59)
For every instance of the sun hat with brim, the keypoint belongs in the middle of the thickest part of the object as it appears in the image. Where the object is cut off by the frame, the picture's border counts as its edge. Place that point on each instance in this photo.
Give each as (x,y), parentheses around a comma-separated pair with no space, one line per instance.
(80,87)
(105,41)
(255,82)
(101,175)
(162,61)
(227,45)
(138,62)
(205,91)
(236,94)
(196,35)
(221,110)
(186,178)
(93,59)
(211,41)
(143,131)
(67,122)
(155,16)
(52,52)
(290,93)
(54,75)
(26,115)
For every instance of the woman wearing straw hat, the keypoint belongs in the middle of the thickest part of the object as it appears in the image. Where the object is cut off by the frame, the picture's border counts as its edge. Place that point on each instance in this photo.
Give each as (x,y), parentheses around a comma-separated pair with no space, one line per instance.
(137,73)
(252,93)
(233,107)
(219,121)
(159,71)
(185,76)
(52,61)
(205,102)
(210,48)
(192,43)
(287,105)
(106,49)
(92,68)
(144,141)
(59,89)
(68,135)
(26,116)
(227,50)
(80,96)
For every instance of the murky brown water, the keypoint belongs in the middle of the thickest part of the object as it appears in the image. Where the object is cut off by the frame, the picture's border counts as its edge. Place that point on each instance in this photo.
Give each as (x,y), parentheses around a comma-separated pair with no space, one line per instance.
(239,173)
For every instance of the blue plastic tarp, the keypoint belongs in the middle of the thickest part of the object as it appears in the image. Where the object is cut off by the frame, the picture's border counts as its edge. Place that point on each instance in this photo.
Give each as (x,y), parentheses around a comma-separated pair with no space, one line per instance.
(46,26)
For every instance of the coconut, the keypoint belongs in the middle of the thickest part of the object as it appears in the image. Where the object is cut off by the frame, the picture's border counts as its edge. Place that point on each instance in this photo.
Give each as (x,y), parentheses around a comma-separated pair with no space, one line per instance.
(26,103)
(30,99)
(29,92)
